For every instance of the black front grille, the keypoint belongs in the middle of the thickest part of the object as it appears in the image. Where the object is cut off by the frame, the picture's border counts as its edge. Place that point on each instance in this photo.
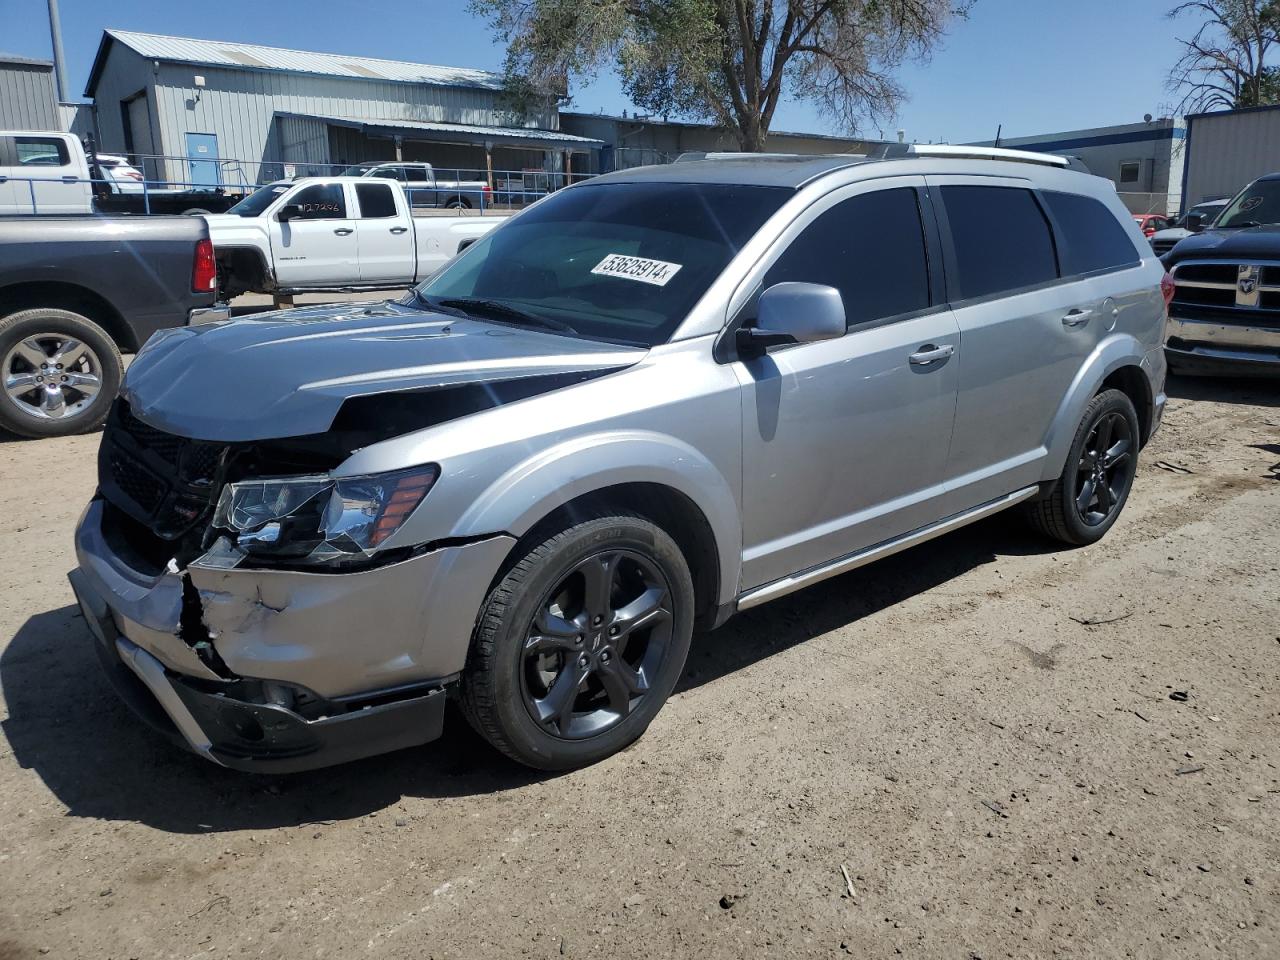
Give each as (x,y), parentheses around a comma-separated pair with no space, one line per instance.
(1207,273)
(165,482)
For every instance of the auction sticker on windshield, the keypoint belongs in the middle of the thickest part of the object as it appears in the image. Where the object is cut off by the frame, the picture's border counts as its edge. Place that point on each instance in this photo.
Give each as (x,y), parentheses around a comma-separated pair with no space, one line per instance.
(656,272)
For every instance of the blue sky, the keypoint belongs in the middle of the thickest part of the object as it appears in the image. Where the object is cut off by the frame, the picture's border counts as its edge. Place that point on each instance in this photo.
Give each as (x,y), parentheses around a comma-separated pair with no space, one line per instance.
(1031,65)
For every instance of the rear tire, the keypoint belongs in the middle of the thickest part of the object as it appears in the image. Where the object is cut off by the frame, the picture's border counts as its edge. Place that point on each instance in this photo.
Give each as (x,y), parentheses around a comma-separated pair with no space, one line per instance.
(1086,500)
(60,401)
(580,643)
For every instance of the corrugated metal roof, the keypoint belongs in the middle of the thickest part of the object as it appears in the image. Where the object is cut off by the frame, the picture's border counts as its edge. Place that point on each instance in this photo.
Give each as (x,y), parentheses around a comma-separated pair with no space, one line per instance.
(229,54)
(25,61)
(463,129)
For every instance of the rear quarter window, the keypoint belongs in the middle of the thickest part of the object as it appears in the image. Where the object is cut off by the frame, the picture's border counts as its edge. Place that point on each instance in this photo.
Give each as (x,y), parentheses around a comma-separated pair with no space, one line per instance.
(1001,239)
(1091,237)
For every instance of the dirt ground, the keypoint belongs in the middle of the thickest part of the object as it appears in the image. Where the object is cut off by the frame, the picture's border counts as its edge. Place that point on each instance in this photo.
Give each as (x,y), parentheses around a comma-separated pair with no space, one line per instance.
(981,731)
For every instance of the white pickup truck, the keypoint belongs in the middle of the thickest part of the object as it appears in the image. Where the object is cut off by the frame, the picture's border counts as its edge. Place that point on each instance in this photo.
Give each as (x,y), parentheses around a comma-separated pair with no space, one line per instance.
(423,187)
(333,233)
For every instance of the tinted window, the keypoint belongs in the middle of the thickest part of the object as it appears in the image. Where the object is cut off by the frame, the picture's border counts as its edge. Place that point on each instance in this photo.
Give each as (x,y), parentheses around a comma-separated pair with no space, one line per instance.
(1092,239)
(259,200)
(870,248)
(41,152)
(376,200)
(417,174)
(1001,239)
(324,201)
(624,262)
(1255,205)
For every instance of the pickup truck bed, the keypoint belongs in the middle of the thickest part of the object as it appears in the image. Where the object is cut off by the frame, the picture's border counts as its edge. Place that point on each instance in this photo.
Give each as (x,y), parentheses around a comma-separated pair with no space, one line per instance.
(80,290)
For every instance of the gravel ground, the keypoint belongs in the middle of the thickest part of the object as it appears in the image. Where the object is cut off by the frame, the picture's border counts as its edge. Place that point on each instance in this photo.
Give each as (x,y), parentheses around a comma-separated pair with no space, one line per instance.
(983,732)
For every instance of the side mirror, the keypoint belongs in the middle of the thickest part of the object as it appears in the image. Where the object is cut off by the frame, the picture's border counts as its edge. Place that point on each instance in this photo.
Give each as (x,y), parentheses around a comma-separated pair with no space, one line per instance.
(794,313)
(1195,222)
(290,211)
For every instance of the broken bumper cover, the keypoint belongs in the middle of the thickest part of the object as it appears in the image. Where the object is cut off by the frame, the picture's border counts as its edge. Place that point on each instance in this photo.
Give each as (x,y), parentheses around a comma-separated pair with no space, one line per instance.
(375,645)
(254,737)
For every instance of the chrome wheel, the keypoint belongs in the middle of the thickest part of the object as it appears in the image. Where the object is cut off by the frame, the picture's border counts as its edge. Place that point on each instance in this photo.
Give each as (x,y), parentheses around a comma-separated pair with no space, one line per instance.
(50,376)
(597,641)
(1105,470)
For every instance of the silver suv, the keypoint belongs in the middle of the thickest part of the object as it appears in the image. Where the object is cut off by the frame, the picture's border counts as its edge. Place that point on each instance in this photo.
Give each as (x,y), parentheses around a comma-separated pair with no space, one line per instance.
(649,401)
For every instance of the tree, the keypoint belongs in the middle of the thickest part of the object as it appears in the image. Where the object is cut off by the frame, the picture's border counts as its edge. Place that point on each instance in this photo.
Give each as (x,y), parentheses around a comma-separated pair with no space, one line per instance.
(727,61)
(1224,63)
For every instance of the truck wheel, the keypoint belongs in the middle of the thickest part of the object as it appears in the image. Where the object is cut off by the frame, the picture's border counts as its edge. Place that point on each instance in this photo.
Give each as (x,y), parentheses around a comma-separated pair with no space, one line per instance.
(1087,499)
(458,203)
(195,212)
(579,645)
(60,371)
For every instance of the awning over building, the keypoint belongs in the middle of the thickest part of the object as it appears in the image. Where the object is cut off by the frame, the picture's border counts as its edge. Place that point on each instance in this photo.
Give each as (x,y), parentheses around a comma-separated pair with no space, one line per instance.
(519,137)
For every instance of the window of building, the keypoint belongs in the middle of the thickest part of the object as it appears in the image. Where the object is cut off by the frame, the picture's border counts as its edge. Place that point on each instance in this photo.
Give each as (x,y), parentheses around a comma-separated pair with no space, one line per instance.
(1130,171)
(1092,238)
(871,248)
(1002,240)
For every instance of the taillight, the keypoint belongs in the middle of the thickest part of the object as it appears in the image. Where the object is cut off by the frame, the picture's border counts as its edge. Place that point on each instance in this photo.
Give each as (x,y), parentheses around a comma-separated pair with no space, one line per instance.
(204,271)
(1167,289)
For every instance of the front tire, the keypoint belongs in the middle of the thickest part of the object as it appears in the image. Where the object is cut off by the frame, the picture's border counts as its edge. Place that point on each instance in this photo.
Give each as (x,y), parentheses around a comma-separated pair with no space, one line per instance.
(580,643)
(59,372)
(1086,500)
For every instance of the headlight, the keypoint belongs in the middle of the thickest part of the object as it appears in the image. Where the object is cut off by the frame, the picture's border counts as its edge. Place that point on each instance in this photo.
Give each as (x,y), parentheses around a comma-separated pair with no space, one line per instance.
(315,519)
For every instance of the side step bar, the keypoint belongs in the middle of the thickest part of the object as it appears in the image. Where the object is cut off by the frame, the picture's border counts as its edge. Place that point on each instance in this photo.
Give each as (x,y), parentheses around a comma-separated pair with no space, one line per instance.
(798,581)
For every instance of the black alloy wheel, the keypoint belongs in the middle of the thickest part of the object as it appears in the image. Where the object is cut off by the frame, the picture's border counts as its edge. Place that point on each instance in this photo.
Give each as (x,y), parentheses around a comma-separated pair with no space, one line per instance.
(1105,469)
(598,637)
(580,642)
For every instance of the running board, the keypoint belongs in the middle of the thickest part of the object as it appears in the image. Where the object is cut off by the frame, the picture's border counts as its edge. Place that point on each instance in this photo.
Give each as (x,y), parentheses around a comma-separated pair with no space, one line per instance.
(798,581)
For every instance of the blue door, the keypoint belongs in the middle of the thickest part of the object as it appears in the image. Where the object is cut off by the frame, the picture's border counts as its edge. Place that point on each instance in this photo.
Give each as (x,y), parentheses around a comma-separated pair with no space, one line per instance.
(202,158)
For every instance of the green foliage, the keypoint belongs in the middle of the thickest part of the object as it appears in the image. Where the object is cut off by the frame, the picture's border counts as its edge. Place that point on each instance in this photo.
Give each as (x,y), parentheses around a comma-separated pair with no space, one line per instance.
(728,61)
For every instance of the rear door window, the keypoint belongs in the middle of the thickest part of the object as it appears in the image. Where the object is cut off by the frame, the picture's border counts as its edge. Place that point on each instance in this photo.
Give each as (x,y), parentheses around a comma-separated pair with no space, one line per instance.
(1001,238)
(1091,237)
(376,200)
(870,248)
(42,152)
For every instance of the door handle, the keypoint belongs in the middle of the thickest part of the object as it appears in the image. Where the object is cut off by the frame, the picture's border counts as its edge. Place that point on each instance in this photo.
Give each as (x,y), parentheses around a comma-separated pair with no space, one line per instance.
(399,229)
(930,354)
(1077,318)
(70,179)
(342,231)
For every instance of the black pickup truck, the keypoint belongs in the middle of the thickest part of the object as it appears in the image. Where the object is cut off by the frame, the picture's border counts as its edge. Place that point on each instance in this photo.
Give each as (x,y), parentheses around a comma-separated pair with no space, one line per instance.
(1225,314)
(76,292)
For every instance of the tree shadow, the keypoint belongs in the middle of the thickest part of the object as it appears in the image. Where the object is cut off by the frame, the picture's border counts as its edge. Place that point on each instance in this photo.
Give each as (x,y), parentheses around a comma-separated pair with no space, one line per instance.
(67,725)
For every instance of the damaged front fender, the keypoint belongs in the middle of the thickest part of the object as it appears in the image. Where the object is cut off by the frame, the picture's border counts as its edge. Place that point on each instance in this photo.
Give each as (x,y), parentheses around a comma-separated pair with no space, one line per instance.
(340,634)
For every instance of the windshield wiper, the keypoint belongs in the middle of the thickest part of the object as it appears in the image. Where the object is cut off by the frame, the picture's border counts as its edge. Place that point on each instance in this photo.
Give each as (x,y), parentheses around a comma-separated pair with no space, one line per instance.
(418,297)
(498,308)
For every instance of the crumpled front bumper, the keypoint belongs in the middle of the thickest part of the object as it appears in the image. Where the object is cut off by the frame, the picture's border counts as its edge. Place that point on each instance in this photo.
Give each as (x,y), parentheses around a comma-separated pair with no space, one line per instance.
(376,647)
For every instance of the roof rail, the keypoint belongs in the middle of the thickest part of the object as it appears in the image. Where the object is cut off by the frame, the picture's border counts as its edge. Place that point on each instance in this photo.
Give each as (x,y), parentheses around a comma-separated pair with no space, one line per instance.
(898,151)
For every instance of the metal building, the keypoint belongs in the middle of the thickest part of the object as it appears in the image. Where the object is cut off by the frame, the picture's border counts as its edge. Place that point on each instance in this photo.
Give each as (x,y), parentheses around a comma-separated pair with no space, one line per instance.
(1228,149)
(1144,160)
(204,111)
(639,140)
(27,98)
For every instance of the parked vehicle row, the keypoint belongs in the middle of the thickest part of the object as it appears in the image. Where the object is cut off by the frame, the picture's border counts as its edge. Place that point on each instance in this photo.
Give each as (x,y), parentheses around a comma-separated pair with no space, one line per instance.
(651,400)
(423,188)
(49,174)
(334,233)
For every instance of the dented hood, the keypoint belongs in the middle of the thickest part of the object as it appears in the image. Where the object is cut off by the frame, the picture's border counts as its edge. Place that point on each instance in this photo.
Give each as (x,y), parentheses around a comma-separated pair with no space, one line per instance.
(286,374)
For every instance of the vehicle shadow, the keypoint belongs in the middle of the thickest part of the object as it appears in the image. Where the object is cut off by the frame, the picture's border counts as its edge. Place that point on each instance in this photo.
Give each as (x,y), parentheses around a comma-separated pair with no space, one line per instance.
(66,724)
(1256,391)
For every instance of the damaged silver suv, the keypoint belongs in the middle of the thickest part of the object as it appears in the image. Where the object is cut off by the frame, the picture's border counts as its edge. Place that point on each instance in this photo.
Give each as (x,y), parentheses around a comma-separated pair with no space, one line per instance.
(649,401)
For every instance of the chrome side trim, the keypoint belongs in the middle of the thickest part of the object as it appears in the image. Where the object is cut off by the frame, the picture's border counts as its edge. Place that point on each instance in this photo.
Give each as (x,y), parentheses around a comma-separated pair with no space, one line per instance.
(151,672)
(798,581)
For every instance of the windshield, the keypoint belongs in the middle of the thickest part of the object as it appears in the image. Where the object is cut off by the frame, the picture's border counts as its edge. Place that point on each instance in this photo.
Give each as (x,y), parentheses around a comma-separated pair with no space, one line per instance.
(358,170)
(1256,204)
(623,262)
(259,200)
